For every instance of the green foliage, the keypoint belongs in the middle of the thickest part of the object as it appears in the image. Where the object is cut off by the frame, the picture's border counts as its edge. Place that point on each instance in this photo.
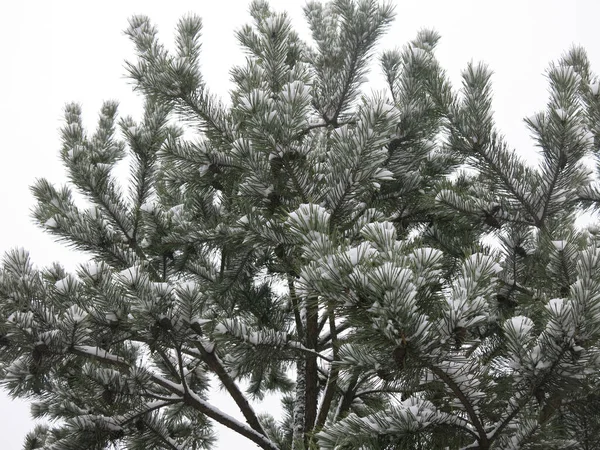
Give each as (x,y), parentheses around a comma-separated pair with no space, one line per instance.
(386,264)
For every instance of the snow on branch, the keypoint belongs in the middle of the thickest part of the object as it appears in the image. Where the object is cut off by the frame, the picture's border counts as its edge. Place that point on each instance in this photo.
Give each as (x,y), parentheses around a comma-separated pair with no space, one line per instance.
(408,418)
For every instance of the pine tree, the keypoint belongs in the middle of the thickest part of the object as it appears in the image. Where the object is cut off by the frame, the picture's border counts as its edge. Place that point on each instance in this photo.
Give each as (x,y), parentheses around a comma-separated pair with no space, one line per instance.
(386,262)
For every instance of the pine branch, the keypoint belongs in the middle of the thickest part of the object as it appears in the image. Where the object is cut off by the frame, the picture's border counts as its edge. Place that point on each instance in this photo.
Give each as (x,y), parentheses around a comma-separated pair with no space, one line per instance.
(213,362)
(150,408)
(503,176)
(188,397)
(261,440)
(318,125)
(181,374)
(340,213)
(163,439)
(523,400)
(482,438)
(545,201)
(328,336)
(213,120)
(174,373)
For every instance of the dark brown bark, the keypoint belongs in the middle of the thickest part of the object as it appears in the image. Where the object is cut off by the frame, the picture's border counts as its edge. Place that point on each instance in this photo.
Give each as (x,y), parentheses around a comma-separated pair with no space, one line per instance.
(333,374)
(312,380)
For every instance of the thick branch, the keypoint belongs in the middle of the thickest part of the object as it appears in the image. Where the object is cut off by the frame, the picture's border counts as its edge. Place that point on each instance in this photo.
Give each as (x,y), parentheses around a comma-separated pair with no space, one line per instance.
(196,402)
(348,397)
(168,363)
(325,338)
(216,366)
(101,355)
(149,408)
(297,346)
(190,398)
(482,438)
(333,374)
(296,308)
(314,126)
(311,368)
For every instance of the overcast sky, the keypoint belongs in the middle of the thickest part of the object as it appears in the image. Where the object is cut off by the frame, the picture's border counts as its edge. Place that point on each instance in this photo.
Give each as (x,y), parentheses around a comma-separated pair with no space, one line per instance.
(54,52)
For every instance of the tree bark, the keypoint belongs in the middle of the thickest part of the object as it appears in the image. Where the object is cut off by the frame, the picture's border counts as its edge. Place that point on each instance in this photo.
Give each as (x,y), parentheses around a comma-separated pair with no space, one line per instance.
(311,369)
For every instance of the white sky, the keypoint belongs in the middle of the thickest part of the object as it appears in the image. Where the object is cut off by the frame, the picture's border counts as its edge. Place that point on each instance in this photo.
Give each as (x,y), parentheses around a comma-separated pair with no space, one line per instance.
(54,52)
